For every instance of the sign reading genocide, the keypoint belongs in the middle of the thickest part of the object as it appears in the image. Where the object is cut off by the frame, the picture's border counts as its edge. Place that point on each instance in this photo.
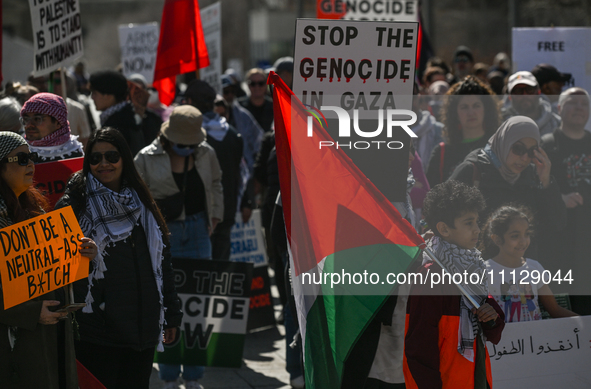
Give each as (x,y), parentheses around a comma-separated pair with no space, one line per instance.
(139,45)
(57,34)
(51,178)
(378,10)
(358,77)
(211,20)
(40,255)
(543,354)
(215,300)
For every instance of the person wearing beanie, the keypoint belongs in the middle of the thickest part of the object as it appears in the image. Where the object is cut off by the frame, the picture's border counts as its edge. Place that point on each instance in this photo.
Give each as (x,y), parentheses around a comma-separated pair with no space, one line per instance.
(109,91)
(47,130)
(228,146)
(525,99)
(37,344)
(463,62)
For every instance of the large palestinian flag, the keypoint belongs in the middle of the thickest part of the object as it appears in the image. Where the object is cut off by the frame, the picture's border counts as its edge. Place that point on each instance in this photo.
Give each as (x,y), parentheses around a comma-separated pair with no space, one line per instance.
(337,223)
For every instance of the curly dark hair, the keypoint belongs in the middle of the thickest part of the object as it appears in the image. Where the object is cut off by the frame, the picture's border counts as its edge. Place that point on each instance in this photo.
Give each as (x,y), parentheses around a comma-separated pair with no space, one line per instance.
(449,200)
(498,223)
(470,85)
(130,175)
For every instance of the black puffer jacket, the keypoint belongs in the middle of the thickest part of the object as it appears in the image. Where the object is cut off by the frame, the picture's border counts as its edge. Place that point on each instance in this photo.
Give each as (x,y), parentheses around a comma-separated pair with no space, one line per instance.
(126,307)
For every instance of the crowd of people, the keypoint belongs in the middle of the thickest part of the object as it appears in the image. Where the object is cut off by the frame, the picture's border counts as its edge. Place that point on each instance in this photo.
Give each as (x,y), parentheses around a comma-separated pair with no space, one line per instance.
(501,163)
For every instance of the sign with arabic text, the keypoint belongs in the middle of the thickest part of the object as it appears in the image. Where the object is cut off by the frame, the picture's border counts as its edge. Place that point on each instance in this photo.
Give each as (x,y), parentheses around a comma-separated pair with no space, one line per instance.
(552,353)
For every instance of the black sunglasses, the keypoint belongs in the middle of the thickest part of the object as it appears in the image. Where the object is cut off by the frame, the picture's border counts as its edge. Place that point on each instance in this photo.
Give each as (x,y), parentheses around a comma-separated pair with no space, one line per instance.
(519,149)
(256,83)
(110,156)
(22,158)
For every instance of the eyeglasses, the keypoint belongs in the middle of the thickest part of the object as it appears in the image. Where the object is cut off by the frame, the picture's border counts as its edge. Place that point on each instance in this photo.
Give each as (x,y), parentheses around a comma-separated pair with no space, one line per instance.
(519,149)
(462,59)
(256,83)
(22,158)
(110,156)
(524,90)
(36,119)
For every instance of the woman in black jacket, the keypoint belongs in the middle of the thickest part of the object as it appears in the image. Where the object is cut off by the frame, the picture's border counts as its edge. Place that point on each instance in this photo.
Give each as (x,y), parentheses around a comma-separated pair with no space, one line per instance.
(512,168)
(132,305)
(471,115)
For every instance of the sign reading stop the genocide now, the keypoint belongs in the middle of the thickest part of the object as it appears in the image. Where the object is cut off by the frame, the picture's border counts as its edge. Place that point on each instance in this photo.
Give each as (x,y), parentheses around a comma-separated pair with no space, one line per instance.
(40,255)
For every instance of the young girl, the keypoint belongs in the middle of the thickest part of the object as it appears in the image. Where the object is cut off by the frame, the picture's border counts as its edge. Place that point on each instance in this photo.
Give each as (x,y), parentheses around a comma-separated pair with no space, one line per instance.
(515,279)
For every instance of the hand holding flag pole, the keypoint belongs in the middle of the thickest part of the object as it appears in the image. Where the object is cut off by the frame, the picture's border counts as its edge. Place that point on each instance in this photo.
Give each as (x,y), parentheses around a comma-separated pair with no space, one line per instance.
(490,323)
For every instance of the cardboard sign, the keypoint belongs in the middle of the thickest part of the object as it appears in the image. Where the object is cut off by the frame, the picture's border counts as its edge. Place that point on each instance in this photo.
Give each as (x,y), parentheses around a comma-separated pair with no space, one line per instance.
(51,178)
(40,255)
(214,296)
(541,354)
(248,244)
(378,10)
(57,34)
(565,48)
(211,20)
(139,45)
(365,70)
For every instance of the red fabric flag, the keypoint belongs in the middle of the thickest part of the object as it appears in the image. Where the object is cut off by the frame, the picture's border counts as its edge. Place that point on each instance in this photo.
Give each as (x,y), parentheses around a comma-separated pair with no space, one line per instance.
(316,184)
(181,47)
(85,378)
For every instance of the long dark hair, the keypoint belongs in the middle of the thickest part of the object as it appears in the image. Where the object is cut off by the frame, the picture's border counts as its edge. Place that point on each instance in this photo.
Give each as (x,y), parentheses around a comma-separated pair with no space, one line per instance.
(30,203)
(129,176)
(470,85)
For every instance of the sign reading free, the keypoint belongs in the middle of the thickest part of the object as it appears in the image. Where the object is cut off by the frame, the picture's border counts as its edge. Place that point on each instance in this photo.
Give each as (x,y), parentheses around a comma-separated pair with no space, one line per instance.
(40,255)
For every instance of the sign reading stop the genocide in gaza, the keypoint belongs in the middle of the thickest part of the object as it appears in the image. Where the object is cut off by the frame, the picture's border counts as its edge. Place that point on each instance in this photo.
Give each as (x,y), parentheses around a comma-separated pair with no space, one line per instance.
(358,77)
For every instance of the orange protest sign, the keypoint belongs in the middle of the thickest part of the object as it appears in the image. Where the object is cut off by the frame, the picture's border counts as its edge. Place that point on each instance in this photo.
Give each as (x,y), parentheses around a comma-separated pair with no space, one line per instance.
(40,255)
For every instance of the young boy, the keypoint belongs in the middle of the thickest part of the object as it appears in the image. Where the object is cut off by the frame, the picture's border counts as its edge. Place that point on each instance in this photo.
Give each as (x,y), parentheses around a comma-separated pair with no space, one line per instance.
(445,337)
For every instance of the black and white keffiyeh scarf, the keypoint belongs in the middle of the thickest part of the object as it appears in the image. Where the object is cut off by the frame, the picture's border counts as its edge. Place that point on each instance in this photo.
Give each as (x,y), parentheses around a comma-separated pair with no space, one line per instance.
(458,260)
(109,218)
(107,113)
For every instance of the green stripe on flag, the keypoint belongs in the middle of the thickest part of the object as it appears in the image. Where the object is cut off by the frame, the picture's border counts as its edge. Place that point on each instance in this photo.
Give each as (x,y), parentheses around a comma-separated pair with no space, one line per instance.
(338,318)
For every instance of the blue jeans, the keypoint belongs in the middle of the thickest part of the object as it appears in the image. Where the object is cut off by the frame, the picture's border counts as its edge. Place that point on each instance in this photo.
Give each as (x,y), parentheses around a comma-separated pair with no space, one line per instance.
(172,372)
(188,239)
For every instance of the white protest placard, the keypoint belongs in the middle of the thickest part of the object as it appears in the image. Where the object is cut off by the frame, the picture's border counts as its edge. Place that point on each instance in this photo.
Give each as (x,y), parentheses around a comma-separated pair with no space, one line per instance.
(248,243)
(366,69)
(139,45)
(377,10)
(565,48)
(57,34)
(543,354)
(211,20)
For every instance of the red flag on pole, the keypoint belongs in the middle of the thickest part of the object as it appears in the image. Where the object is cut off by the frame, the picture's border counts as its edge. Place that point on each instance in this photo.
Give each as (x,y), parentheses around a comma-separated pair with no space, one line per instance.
(181,48)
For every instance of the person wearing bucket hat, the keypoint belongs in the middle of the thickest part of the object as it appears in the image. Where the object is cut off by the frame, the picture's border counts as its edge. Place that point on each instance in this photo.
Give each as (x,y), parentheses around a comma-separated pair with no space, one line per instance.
(109,91)
(525,99)
(31,335)
(181,167)
(47,130)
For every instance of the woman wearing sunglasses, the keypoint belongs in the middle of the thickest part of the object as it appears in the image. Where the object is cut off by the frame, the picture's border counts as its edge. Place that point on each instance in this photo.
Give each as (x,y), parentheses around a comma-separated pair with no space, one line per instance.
(32,337)
(512,168)
(132,306)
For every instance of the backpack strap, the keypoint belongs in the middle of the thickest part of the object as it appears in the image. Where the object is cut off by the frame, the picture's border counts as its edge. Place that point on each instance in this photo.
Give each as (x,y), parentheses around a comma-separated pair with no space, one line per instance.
(441,159)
